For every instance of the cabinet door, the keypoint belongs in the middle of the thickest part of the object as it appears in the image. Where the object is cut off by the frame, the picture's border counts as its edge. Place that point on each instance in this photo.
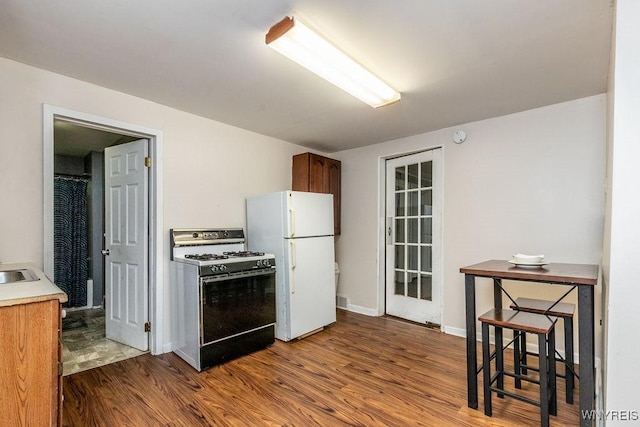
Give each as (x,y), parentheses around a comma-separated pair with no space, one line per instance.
(59,397)
(318,174)
(29,364)
(300,172)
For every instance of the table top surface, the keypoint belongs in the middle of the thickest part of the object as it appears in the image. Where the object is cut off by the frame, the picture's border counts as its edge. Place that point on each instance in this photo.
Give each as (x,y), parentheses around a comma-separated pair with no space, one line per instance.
(579,274)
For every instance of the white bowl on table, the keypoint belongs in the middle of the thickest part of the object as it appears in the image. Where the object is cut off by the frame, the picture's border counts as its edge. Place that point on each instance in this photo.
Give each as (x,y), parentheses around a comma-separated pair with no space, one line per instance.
(528,259)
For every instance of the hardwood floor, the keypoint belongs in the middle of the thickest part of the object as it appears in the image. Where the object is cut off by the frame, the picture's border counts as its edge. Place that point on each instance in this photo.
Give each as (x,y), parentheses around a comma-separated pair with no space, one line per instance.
(361,371)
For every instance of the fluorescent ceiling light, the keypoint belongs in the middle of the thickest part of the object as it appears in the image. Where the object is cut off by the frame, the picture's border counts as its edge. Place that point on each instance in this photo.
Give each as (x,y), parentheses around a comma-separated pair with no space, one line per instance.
(299,43)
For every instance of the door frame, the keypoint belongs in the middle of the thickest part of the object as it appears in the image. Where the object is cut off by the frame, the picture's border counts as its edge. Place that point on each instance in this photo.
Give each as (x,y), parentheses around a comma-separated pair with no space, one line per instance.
(51,113)
(382,222)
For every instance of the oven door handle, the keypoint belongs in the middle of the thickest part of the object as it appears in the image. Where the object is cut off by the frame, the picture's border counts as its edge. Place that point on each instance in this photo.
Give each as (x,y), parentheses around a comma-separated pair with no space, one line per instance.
(223,277)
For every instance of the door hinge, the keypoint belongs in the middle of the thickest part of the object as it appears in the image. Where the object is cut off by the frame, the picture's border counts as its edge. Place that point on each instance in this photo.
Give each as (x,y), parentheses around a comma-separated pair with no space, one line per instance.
(147,327)
(60,368)
(147,162)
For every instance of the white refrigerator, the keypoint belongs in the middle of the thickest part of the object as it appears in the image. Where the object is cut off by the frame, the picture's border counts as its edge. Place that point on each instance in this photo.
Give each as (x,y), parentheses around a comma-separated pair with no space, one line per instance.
(297,227)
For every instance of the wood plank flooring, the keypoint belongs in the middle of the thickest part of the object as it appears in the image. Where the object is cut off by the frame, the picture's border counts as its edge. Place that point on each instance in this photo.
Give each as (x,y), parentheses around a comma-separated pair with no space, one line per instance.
(361,371)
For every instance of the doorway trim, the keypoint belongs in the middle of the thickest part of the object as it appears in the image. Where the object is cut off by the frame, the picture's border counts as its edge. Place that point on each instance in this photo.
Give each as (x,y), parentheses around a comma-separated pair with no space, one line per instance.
(51,113)
(382,222)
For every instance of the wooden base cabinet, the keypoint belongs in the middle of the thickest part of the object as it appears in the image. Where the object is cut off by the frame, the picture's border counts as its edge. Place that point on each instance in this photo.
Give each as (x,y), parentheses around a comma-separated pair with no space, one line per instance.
(30,364)
(318,174)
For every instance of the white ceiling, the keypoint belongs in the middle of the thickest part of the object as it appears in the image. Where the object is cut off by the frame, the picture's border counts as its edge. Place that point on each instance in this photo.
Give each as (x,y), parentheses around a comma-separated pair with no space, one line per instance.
(454,61)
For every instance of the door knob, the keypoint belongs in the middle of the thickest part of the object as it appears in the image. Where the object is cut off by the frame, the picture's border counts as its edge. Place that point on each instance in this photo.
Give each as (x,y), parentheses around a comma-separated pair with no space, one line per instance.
(105,252)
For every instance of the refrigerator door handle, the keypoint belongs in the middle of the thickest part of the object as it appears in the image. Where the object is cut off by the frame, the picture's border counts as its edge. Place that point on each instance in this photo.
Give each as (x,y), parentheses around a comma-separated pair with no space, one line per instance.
(291,232)
(292,263)
(292,222)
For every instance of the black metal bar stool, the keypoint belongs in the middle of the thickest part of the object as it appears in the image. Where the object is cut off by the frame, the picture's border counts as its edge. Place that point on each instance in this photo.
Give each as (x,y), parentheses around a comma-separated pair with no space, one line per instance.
(520,321)
(556,309)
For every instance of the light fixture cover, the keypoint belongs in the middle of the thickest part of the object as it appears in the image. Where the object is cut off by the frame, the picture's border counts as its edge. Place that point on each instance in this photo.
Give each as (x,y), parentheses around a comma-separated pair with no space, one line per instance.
(296,41)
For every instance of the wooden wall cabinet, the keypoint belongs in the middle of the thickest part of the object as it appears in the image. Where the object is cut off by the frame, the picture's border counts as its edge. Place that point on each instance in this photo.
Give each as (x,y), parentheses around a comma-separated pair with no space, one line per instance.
(318,174)
(30,364)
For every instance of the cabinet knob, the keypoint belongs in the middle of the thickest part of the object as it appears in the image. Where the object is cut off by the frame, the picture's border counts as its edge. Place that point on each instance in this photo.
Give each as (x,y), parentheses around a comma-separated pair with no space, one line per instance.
(63,313)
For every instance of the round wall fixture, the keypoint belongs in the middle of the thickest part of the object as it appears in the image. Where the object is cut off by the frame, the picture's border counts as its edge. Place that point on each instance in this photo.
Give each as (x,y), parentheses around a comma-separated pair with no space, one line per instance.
(459,136)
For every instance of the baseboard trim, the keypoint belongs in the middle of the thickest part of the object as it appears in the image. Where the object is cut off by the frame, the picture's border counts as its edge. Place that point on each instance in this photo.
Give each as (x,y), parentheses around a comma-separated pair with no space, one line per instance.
(360,310)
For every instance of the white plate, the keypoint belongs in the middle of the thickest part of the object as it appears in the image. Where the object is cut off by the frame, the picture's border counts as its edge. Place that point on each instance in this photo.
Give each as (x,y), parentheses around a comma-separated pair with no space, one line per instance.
(527,259)
(528,264)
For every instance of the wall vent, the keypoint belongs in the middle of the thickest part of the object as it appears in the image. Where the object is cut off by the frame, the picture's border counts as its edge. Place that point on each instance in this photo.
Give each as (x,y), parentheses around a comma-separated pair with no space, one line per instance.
(342,302)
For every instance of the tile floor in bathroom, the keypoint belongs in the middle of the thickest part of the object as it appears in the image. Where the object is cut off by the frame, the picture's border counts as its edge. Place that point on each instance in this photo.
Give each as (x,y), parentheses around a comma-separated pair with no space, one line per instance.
(84,345)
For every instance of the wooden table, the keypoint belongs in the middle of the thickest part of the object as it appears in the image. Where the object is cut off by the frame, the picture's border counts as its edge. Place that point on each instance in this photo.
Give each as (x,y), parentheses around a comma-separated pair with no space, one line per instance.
(583,276)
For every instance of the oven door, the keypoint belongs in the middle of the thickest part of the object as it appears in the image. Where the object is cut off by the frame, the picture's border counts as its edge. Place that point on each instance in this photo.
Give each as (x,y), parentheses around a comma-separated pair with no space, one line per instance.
(236,303)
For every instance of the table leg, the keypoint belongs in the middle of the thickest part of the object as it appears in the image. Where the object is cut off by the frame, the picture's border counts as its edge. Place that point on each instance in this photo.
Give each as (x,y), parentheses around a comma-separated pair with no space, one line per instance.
(472,357)
(497,304)
(586,338)
(497,294)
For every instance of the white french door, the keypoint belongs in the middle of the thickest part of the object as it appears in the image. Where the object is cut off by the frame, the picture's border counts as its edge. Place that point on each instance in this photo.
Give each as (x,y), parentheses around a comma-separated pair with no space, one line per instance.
(414,237)
(126,240)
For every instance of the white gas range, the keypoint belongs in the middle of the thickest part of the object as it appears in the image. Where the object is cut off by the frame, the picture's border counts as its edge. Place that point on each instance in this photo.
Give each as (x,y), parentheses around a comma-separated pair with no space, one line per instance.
(223,296)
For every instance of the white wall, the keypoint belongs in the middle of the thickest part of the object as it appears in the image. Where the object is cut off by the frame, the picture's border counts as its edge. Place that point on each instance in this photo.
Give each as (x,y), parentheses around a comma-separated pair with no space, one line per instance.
(209,167)
(622,244)
(530,182)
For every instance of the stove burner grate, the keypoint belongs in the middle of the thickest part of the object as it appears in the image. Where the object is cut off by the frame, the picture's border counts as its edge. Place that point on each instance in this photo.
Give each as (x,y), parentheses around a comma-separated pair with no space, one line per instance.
(206,257)
(243,254)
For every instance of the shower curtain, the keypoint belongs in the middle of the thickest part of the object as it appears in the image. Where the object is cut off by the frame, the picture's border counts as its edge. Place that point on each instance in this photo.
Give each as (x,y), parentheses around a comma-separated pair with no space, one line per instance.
(71,238)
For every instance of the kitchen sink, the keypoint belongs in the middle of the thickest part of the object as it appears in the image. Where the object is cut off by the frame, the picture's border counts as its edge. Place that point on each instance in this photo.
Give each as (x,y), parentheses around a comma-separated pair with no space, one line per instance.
(13,276)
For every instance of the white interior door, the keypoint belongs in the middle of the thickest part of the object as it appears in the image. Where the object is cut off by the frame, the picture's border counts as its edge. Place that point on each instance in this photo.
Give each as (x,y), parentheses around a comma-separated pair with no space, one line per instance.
(126,240)
(414,237)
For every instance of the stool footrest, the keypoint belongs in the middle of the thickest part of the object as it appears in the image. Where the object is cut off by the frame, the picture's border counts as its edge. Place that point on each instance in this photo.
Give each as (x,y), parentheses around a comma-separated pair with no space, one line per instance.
(536,369)
(516,396)
(522,377)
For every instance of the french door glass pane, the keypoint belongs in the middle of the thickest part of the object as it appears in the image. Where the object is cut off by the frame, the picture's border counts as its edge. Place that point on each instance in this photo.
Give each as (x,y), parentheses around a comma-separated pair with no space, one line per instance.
(400,178)
(399,283)
(425,258)
(426,203)
(399,230)
(412,176)
(426,174)
(412,203)
(412,255)
(412,230)
(425,230)
(399,257)
(425,287)
(412,285)
(400,204)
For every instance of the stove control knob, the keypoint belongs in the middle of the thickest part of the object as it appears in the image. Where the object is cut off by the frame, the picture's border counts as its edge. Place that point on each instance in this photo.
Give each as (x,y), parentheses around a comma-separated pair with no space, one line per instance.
(223,267)
(214,268)
(195,235)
